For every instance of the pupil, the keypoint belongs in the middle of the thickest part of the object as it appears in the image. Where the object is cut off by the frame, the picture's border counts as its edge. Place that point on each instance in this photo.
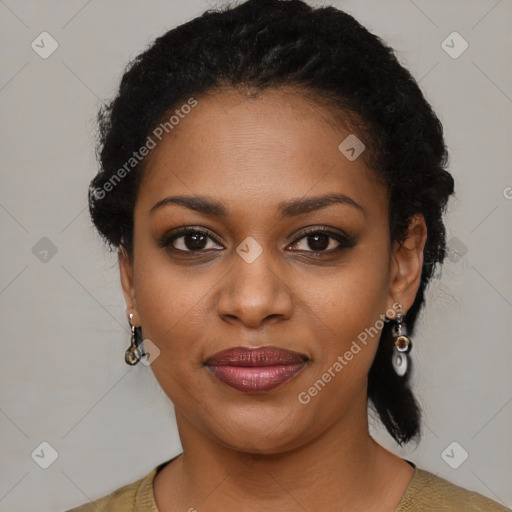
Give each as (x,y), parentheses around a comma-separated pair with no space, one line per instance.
(198,241)
(318,245)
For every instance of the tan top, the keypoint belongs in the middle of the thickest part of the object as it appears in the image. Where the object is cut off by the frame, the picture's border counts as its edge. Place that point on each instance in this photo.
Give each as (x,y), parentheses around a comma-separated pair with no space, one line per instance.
(426,493)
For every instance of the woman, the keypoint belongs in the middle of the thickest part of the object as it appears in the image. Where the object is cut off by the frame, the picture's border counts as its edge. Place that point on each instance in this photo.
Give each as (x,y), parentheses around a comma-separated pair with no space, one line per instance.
(274,182)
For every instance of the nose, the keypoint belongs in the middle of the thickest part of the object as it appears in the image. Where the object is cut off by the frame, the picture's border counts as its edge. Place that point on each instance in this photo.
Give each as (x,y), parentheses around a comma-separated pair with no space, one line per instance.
(254,293)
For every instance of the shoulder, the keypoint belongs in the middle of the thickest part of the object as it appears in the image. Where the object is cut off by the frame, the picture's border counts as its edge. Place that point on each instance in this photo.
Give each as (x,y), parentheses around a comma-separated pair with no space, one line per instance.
(134,496)
(427,492)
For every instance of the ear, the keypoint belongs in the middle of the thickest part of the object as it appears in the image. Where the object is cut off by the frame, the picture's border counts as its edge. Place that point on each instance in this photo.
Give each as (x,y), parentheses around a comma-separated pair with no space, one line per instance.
(126,274)
(406,265)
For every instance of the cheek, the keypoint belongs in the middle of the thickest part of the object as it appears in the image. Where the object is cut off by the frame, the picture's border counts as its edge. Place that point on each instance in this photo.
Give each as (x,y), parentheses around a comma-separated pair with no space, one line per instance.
(348,301)
(164,303)
(349,310)
(165,293)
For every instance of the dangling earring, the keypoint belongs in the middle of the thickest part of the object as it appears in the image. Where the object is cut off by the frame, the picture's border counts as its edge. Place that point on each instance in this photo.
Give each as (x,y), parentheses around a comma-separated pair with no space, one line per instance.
(402,344)
(132,355)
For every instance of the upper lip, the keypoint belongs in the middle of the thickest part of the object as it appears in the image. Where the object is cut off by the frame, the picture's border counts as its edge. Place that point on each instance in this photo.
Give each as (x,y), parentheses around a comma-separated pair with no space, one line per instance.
(261,356)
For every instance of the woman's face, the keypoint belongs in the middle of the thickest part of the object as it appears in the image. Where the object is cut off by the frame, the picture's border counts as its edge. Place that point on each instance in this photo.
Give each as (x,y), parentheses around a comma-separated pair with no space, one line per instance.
(256,278)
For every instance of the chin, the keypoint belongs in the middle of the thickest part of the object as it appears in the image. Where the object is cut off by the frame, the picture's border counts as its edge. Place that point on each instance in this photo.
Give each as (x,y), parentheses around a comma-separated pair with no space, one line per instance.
(259,430)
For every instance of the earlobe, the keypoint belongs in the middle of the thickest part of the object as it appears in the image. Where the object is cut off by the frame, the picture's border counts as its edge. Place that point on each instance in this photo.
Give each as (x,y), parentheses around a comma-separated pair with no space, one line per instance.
(407,263)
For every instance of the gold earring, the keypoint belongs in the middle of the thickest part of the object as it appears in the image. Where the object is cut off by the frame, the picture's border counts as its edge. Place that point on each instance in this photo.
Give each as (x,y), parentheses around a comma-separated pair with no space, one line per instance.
(402,344)
(132,354)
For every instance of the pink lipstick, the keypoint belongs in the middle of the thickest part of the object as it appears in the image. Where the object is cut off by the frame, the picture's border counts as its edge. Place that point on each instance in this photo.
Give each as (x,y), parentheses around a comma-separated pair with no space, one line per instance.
(255,370)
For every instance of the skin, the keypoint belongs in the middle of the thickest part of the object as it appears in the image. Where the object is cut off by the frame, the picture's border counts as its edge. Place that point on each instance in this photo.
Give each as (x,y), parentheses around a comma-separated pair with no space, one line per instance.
(268,451)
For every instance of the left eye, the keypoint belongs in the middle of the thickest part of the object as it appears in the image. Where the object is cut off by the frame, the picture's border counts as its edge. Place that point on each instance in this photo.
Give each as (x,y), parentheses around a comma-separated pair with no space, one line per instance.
(322,241)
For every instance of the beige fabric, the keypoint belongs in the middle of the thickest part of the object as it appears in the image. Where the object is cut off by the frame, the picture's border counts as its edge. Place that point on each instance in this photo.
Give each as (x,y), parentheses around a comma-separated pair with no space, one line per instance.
(426,493)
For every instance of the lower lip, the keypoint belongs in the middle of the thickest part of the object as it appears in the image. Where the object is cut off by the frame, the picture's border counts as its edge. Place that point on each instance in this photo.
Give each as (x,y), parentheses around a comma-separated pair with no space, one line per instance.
(255,379)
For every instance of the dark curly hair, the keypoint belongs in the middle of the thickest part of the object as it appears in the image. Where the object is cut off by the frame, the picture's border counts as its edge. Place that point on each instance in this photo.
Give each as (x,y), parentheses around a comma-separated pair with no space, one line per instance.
(331,59)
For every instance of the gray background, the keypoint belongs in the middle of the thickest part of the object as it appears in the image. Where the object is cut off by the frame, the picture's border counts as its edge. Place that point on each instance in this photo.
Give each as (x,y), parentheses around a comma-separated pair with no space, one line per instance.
(64,329)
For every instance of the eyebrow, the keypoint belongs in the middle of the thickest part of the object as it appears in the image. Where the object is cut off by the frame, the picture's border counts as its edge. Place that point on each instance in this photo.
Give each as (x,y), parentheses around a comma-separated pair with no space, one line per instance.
(291,208)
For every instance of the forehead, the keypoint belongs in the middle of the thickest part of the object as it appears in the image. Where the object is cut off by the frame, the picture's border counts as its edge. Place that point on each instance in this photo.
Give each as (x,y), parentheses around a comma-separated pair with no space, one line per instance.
(258,149)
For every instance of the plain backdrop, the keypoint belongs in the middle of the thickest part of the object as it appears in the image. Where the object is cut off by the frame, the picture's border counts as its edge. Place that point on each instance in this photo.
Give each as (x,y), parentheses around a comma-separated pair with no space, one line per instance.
(65,388)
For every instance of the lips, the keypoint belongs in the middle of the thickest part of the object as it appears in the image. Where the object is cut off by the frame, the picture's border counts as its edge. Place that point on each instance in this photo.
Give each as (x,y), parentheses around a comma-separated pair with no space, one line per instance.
(255,370)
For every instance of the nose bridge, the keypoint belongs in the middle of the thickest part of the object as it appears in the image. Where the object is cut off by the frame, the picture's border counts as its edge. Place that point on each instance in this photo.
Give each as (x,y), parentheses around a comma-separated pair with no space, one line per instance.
(253,289)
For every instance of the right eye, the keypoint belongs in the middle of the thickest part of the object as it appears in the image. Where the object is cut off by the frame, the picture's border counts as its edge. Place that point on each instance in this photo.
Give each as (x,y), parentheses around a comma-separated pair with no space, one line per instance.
(188,240)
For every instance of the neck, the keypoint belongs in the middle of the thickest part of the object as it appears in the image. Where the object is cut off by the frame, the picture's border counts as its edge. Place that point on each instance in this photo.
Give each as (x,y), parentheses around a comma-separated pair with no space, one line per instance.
(341,465)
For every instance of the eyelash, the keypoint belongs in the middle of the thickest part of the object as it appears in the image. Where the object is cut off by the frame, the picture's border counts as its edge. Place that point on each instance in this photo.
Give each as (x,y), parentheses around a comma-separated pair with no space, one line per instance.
(345,241)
